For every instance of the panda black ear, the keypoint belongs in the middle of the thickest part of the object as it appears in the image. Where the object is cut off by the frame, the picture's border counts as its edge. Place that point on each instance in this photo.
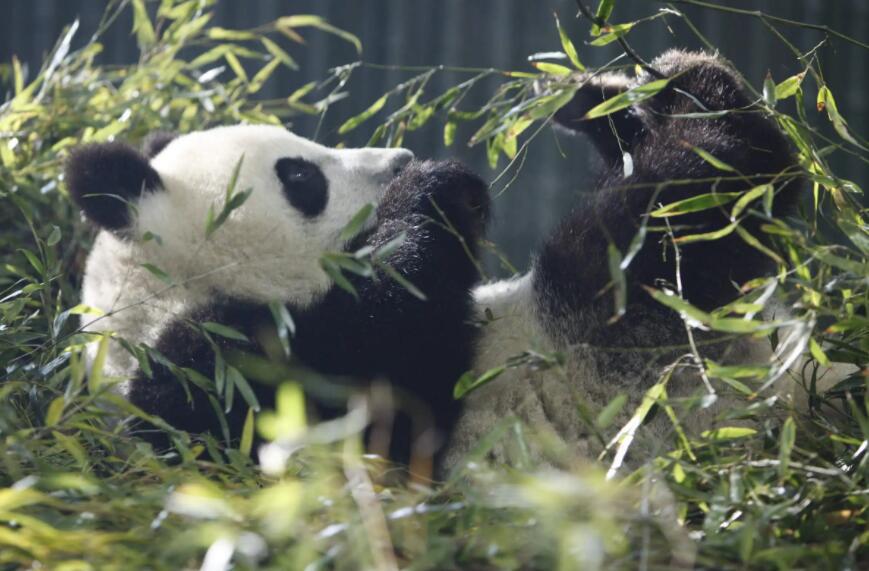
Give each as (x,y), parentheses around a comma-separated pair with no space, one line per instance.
(105,178)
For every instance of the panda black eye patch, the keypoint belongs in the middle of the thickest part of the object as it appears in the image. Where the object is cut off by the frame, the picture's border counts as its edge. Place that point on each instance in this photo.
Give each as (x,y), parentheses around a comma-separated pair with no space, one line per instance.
(305,186)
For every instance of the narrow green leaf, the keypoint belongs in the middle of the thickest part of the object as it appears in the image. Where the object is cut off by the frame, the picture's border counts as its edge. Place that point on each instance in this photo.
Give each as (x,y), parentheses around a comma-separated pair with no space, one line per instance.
(789,86)
(627,98)
(546,106)
(247,433)
(34,261)
(747,198)
(449,133)
(304,20)
(708,236)
(142,26)
(613,33)
(218,33)
(604,11)
(281,55)
(55,410)
(470,382)
(818,353)
(95,378)
(334,272)
(695,204)
(158,273)
(224,331)
(568,47)
(403,282)
(53,237)
(236,66)
(712,160)
(620,284)
(244,388)
(608,414)
(769,90)
(357,120)
(729,433)
(357,222)
(551,68)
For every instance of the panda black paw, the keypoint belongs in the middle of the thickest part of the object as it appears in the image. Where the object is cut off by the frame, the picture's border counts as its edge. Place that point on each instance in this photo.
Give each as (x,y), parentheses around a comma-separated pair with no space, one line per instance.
(444,191)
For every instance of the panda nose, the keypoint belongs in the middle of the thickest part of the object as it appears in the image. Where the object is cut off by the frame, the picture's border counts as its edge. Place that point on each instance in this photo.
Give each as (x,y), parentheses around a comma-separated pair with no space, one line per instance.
(399,161)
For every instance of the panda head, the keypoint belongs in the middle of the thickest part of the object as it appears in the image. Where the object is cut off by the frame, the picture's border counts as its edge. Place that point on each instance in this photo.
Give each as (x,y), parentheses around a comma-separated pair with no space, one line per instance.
(153,208)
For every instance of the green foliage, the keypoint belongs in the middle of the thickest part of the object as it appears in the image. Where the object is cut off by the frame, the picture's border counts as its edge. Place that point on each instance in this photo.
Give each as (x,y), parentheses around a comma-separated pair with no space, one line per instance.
(77,491)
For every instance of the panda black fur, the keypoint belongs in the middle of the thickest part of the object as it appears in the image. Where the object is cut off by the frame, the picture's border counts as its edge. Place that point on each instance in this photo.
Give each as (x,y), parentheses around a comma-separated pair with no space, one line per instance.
(268,250)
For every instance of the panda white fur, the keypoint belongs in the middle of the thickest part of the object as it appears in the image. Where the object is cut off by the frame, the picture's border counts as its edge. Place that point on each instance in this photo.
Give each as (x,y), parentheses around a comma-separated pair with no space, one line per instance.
(152,209)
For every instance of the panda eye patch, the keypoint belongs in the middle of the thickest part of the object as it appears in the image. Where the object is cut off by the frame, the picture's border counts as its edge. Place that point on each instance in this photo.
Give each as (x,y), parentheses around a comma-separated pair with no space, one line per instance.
(305,186)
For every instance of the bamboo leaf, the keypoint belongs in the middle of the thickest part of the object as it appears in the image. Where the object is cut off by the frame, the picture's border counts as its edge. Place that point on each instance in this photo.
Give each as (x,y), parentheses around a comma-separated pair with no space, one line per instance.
(470,382)
(748,197)
(712,160)
(403,282)
(627,98)
(305,20)
(769,90)
(729,433)
(158,273)
(708,236)
(95,378)
(695,204)
(142,26)
(568,47)
(224,331)
(789,86)
(357,222)
(283,57)
(613,33)
(551,68)
(247,433)
(354,122)
(235,378)
(604,11)
(54,411)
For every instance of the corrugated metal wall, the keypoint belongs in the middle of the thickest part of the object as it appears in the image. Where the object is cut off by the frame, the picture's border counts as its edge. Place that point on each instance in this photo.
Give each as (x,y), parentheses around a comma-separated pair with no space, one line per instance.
(492,33)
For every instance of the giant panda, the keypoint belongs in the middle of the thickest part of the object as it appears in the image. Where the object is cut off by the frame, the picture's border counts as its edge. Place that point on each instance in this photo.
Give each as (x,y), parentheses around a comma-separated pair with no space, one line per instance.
(562,308)
(157,277)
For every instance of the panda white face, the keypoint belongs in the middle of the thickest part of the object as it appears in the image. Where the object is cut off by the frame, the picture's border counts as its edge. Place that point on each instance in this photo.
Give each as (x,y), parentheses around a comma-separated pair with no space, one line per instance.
(268,249)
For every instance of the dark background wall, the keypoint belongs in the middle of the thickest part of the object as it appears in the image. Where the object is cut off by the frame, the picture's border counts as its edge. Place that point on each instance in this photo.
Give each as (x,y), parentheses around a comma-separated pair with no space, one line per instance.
(491,33)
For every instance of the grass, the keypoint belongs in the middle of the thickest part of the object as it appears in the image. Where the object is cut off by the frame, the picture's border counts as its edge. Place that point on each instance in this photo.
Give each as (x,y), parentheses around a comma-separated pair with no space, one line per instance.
(77,492)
